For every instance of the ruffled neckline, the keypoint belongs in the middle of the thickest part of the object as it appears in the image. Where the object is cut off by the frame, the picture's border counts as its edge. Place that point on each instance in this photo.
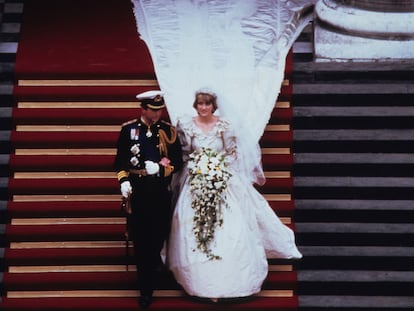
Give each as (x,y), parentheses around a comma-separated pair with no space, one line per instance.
(188,125)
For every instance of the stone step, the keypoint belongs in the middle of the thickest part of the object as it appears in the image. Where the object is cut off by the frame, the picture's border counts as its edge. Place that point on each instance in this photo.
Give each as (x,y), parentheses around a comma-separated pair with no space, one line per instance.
(356,205)
(355,302)
(355,282)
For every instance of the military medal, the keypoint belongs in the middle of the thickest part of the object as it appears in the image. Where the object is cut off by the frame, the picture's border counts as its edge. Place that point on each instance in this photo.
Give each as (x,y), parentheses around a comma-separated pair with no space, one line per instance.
(134,134)
(135,149)
(134,161)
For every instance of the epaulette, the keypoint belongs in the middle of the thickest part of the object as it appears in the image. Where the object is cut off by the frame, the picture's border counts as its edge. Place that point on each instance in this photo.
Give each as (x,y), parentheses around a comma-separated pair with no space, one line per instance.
(130,122)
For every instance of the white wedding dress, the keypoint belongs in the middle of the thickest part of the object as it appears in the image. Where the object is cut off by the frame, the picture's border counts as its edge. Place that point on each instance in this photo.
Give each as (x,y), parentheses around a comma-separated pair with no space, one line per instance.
(251,232)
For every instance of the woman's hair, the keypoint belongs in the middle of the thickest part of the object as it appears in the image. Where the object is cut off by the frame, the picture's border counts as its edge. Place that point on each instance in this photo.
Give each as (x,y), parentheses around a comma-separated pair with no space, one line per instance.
(208,96)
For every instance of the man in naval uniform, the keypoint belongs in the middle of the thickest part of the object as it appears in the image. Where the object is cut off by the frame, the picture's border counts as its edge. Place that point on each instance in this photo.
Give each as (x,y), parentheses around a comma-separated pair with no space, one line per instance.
(148,153)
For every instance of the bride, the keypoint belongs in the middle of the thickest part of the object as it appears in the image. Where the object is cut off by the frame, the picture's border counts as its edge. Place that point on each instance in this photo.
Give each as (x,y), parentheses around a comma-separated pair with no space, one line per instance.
(223,229)
(238,49)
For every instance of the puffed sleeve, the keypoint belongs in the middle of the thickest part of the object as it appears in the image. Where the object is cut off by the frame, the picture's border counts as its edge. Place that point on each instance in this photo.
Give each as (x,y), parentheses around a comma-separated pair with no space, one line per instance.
(229,141)
(185,135)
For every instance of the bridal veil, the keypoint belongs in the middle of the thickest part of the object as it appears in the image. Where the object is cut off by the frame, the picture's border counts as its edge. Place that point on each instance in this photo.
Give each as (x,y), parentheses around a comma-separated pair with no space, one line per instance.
(235,48)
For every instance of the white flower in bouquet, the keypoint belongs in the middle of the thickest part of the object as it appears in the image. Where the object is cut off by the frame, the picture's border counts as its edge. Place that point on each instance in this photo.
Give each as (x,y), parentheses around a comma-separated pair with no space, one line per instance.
(209,177)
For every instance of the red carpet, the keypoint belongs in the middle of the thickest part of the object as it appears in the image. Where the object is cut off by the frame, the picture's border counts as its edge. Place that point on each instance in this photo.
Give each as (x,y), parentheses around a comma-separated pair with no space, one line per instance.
(64,256)
(81,39)
(33,163)
(93,39)
(130,304)
(110,280)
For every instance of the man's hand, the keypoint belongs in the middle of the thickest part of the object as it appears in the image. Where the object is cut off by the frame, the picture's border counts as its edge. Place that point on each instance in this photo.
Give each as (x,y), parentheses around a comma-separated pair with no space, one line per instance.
(151,167)
(126,189)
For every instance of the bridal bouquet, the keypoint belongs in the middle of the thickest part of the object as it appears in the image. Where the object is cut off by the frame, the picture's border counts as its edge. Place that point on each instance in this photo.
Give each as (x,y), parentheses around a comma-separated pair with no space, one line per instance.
(209,177)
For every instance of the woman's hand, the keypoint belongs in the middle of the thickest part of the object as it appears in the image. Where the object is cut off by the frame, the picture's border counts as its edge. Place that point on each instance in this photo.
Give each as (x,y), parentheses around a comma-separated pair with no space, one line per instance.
(165,162)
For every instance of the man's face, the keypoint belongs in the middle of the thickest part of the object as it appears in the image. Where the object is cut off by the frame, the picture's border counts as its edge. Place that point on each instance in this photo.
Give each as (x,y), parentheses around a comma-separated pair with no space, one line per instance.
(152,115)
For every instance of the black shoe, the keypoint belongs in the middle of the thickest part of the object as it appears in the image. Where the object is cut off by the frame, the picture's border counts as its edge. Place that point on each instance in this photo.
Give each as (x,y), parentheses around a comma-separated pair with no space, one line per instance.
(145,301)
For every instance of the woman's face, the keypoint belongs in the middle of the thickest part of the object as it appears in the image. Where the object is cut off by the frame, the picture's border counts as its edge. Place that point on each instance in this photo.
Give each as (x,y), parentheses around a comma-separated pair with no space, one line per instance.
(204,107)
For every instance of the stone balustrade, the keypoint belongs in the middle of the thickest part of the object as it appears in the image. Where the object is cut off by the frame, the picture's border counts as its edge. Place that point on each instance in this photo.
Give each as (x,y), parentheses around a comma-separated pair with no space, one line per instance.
(364,30)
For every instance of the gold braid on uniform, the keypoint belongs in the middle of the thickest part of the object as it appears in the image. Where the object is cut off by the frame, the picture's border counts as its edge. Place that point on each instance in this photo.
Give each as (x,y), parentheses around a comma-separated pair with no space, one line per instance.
(165,140)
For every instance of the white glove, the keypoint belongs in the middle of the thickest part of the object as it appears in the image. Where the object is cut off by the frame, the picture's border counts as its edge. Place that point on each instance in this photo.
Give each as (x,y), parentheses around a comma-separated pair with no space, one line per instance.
(126,189)
(151,167)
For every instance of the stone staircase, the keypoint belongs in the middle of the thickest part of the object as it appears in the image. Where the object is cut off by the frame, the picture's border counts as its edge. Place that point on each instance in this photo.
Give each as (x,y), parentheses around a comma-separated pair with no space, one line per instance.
(10,17)
(353,126)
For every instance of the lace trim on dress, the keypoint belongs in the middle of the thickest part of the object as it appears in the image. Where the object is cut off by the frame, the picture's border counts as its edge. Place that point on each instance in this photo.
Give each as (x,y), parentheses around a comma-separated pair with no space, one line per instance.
(189,127)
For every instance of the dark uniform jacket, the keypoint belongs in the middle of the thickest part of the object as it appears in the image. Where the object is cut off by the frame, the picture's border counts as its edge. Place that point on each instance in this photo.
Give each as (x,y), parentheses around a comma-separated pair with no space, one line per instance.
(137,143)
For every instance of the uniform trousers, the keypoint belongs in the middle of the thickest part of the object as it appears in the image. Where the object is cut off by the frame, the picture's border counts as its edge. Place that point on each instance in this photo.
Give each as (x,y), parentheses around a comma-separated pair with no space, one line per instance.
(149,225)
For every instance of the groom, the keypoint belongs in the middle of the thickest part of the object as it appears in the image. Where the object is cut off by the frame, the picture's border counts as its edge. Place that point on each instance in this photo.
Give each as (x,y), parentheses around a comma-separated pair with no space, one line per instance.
(148,153)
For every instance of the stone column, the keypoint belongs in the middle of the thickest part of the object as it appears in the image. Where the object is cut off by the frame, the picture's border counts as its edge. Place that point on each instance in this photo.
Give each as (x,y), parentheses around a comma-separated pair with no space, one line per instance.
(364,30)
